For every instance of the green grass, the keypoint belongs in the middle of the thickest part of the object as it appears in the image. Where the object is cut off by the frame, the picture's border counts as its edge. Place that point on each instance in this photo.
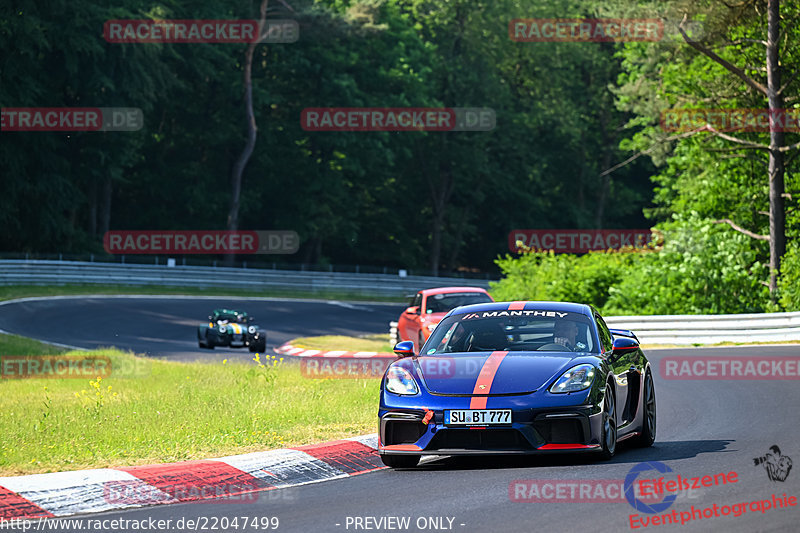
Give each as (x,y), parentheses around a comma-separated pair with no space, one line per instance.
(16,345)
(368,343)
(168,411)
(10,292)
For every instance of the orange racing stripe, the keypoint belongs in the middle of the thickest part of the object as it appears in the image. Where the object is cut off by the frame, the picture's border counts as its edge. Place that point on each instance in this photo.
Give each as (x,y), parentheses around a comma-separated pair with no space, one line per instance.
(516,306)
(485,378)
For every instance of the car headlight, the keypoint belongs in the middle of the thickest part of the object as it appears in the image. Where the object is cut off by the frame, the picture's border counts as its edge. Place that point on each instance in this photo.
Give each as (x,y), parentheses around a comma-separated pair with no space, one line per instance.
(223,329)
(400,381)
(251,330)
(575,379)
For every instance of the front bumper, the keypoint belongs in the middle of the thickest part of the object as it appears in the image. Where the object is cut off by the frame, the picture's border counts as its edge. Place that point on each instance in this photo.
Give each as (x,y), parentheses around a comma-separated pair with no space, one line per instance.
(532,431)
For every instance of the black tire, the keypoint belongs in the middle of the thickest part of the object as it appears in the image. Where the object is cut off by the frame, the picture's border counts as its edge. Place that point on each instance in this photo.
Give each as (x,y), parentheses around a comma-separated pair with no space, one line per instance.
(259,345)
(202,342)
(400,461)
(421,341)
(649,419)
(608,440)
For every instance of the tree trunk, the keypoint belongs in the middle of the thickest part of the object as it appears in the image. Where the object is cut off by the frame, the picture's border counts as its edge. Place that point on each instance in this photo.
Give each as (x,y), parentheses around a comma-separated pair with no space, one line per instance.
(441,196)
(93,209)
(436,242)
(605,183)
(457,240)
(777,217)
(252,129)
(105,215)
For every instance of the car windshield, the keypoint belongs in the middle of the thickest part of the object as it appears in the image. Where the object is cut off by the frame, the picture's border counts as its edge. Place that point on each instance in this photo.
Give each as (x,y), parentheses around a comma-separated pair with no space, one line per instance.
(545,331)
(442,303)
(231,318)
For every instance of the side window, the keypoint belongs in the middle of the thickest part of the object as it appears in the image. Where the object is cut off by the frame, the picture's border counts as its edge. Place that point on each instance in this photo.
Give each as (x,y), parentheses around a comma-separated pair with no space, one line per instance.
(417,301)
(606,340)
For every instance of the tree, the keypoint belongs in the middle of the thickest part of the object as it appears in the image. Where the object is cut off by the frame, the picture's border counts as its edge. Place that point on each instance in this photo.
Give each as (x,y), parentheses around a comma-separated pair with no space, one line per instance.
(731,34)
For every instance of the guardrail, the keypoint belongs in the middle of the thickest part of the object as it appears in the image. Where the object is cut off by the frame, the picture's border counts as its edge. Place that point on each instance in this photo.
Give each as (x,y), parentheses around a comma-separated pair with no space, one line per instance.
(711,329)
(20,272)
(701,329)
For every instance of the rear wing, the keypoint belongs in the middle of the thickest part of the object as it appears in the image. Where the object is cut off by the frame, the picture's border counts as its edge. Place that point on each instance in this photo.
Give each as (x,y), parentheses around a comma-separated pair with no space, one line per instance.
(623,333)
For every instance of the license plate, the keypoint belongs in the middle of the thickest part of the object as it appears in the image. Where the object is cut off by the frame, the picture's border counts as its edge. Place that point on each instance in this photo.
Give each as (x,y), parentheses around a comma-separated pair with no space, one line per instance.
(477,417)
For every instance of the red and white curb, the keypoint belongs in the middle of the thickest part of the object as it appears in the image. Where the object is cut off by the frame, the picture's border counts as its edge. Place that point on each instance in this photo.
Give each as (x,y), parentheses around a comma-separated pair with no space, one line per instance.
(237,478)
(288,349)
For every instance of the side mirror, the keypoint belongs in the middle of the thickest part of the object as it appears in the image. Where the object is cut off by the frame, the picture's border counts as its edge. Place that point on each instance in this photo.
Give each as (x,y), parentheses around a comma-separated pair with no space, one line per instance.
(624,345)
(404,349)
(413,310)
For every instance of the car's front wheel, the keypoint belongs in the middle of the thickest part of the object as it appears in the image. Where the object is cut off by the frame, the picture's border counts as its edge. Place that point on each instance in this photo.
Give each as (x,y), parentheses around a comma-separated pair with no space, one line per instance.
(202,342)
(259,345)
(400,461)
(648,434)
(609,436)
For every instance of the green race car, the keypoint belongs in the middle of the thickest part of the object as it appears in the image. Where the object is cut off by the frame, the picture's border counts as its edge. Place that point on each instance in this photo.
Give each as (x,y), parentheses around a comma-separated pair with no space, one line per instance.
(232,329)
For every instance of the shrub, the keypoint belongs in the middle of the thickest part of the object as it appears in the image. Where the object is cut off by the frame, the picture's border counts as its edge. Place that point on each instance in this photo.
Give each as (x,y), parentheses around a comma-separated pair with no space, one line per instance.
(701,268)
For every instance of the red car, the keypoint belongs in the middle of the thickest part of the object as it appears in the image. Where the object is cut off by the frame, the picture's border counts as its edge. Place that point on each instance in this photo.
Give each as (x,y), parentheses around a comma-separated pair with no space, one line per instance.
(428,308)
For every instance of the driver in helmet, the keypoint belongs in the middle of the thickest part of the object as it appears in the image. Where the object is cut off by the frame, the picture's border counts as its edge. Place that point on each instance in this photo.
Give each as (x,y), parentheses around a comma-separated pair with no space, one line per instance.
(565,333)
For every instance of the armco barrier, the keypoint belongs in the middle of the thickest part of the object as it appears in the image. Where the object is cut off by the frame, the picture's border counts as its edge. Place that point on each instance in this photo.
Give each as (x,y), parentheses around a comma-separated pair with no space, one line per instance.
(710,329)
(702,329)
(19,272)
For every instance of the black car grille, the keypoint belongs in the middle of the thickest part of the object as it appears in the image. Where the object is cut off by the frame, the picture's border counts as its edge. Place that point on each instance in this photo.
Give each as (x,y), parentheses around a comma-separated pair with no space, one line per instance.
(479,439)
(566,431)
(403,431)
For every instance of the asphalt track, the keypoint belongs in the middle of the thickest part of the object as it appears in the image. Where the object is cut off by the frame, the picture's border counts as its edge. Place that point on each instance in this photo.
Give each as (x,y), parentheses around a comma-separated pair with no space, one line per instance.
(166,326)
(704,428)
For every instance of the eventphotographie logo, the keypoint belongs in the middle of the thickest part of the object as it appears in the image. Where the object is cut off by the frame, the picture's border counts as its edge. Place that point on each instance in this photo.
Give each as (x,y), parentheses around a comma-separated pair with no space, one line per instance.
(639,503)
(777,465)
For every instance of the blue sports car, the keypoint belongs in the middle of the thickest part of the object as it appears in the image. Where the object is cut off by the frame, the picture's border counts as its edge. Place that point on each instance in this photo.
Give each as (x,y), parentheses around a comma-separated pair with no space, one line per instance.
(517,378)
